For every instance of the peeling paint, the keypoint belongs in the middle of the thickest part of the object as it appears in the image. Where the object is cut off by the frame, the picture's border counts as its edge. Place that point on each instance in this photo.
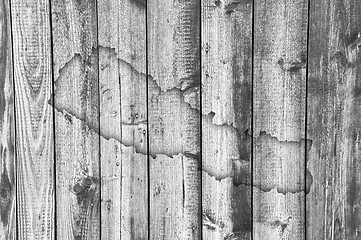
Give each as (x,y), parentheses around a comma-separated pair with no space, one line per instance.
(134,125)
(133,131)
(279,165)
(226,208)
(271,164)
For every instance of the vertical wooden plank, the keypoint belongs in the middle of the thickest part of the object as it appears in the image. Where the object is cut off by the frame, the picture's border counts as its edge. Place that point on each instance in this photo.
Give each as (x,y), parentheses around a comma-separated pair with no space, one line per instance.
(76,101)
(34,118)
(226,109)
(7,128)
(174,119)
(123,89)
(280,54)
(333,205)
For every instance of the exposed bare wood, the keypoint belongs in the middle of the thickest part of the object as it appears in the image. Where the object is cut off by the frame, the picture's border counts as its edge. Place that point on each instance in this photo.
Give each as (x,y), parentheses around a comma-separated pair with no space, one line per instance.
(77,145)
(7,129)
(34,119)
(122,30)
(280,54)
(334,125)
(226,109)
(174,125)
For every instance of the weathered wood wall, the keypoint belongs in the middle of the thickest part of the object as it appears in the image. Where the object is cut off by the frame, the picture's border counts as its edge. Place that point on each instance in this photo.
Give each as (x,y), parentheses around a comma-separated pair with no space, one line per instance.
(183,119)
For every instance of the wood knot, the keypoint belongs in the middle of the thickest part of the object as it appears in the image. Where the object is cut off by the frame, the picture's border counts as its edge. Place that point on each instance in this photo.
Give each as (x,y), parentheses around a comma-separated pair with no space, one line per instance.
(86,189)
(233,5)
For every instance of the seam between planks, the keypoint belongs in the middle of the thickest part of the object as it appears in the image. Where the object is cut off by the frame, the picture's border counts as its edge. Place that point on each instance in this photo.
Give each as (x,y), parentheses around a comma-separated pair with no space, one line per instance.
(53,99)
(15,132)
(99,126)
(252,119)
(200,162)
(147,109)
(306,100)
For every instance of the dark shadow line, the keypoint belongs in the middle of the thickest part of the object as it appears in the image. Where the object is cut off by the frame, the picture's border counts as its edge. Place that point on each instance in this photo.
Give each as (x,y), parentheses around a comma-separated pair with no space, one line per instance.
(306,110)
(99,126)
(200,161)
(121,137)
(252,116)
(15,129)
(54,122)
(147,101)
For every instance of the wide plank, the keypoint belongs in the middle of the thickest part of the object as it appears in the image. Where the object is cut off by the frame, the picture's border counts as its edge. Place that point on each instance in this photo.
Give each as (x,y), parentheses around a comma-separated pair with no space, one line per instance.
(76,103)
(34,119)
(174,119)
(123,118)
(7,129)
(280,56)
(334,120)
(226,124)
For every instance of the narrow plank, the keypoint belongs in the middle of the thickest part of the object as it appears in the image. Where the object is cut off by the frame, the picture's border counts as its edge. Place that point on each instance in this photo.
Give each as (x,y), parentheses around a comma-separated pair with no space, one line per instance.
(123,88)
(280,55)
(226,109)
(7,129)
(333,205)
(76,102)
(174,120)
(34,119)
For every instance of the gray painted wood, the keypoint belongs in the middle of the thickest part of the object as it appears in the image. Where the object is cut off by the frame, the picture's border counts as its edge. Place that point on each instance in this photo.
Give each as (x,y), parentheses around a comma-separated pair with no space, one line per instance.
(333,204)
(179,74)
(34,119)
(76,106)
(174,124)
(280,53)
(7,129)
(123,116)
(226,113)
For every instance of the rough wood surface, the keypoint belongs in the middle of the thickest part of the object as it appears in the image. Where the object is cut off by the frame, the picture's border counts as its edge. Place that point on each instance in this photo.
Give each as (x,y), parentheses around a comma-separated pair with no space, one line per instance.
(174,120)
(333,205)
(123,89)
(34,119)
(226,109)
(190,119)
(280,54)
(76,103)
(7,129)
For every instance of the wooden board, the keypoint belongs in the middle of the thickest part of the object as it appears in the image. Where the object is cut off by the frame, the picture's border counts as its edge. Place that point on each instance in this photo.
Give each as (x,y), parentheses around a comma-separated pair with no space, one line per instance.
(34,119)
(226,124)
(174,120)
(123,119)
(280,54)
(76,103)
(7,129)
(211,119)
(333,205)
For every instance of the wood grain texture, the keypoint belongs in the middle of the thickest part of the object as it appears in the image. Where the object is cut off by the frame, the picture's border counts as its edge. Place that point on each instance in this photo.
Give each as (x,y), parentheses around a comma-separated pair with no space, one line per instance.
(333,205)
(174,120)
(76,102)
(34,119)
(226,109)
(7,129)
(280,54)
(123,89)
